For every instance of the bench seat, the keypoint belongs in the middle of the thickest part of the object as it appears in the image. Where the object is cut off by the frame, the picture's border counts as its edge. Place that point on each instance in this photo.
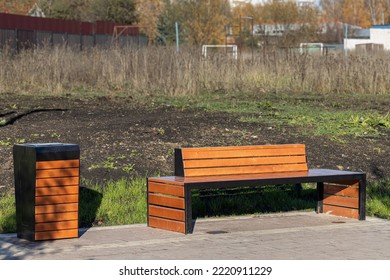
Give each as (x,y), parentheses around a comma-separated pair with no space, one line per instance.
(340,193)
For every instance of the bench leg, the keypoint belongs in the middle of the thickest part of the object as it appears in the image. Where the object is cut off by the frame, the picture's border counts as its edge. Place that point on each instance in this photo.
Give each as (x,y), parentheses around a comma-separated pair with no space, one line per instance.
(320,197)
(188,209)
(343,198)
(362,198)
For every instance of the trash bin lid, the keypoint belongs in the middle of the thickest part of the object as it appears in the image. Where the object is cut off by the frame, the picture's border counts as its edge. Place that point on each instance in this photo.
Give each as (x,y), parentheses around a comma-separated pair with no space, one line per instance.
(53,151)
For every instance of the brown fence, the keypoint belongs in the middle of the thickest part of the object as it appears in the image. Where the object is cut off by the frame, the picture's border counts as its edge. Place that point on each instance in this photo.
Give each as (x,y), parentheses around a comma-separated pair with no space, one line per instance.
(20,32)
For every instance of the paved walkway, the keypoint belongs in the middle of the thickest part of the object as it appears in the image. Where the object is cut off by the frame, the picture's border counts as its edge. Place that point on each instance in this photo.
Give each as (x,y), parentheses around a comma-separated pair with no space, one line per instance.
(288,236)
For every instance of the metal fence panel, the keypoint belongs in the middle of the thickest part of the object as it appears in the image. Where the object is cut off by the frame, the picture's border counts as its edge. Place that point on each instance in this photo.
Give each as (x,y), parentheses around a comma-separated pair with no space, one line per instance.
(7,38)
(43,39)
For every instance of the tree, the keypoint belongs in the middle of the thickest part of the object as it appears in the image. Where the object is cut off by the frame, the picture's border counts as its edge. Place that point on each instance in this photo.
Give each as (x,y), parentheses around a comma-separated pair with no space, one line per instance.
(204,21)
(244,16)
(354,12)
(293,24)
(71,9)
(332,10)
(379,11)
(118,11)
(149,12)
(279,12)
(166,23)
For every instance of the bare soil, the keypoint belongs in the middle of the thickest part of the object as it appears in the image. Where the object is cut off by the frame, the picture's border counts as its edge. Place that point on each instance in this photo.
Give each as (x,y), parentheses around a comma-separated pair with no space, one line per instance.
(121,137)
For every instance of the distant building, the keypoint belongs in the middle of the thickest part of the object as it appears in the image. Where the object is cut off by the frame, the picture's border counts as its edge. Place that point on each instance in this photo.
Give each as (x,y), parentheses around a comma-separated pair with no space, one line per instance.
(24,8)
(300,3)
(379,38)
(279,29)
(36,11)
(235,3)
(305,3)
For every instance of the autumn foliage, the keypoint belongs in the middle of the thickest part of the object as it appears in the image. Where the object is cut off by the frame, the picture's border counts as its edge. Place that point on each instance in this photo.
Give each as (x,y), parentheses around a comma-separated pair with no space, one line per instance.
(210,21)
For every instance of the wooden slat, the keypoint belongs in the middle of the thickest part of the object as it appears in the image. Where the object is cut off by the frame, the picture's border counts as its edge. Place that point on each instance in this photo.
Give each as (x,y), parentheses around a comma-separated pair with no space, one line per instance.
(239,153)
(73,163)
(56,199)
(243,161)
(169,213)
(341,201)
(341,211)
(351,183)
(56,217)
(55,173)
(341,190)
(166,189)
(247,147)
(167,224)
(245,170)
(56,208)
(163,200)
(56,190)
(56,225)
(171,180)
(59,234)
(57,182)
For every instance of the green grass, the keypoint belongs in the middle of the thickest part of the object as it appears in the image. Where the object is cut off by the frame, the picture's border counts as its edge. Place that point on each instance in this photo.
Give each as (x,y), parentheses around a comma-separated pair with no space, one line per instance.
(312,114)
(124,202)
(378,199)
(242,201)
(116,203)
(7,213)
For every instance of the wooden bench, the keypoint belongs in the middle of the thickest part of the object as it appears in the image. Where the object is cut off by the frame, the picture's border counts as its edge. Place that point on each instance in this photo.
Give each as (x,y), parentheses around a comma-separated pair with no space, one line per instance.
(341,193)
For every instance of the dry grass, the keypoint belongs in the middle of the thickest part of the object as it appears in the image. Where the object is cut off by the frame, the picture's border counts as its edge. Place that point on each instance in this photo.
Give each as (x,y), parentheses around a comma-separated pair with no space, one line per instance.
(160,70)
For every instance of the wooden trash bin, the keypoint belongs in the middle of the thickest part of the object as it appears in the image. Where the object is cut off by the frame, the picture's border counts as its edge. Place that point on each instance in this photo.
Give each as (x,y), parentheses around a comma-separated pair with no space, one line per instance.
(47,190)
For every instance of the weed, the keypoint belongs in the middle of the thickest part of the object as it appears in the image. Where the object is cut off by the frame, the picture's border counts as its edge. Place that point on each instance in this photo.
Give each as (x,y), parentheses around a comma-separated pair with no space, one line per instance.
(20,140)
(5,142)
(109,164)
(128,168)
(161,131)
(94,166)
(379,150)
(62,70)
(55,135)
(114,163)
(134,153)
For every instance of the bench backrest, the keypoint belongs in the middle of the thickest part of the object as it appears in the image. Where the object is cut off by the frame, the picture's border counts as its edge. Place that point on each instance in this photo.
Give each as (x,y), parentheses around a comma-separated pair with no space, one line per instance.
(236,160)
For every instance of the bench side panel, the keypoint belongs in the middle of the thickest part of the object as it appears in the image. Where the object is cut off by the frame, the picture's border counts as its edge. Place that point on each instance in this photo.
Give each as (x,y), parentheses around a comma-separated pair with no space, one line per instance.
(341,199)
(166,205)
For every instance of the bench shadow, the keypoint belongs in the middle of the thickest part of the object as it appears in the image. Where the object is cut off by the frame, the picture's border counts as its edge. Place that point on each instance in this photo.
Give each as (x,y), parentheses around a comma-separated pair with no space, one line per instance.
(244,201)
(89,203)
